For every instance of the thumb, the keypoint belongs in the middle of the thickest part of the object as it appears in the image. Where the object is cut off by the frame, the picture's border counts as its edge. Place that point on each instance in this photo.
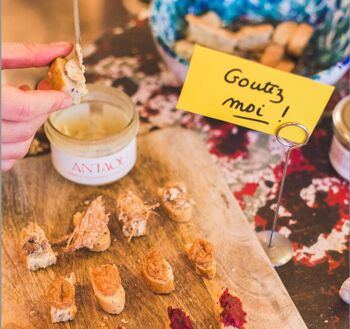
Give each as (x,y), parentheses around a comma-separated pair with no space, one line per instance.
(43,85)
(18,105)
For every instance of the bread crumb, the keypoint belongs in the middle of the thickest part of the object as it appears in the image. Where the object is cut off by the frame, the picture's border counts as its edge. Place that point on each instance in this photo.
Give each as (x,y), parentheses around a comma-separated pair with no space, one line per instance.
(123,321)
(35,147)
(105,317)
(190,299)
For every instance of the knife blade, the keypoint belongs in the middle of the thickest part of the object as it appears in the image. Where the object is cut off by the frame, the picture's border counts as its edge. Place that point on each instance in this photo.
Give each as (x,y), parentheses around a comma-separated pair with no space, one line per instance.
(78,49)
(76,21)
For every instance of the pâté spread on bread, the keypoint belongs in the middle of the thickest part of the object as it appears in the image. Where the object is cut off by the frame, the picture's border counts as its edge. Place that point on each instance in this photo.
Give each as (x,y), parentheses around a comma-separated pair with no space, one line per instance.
(157,272)
(201,253)
(68,75)
(91,229)
(34,248)
(133,214)
(108,289)
(176,201)
(61,298)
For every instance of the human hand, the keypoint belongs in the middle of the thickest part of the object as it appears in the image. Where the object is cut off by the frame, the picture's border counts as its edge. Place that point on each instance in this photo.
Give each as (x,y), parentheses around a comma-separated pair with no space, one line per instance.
(25,110)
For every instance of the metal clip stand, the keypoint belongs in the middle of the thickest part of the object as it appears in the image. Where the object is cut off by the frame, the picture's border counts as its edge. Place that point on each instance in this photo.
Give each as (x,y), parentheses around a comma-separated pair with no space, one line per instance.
(277,247)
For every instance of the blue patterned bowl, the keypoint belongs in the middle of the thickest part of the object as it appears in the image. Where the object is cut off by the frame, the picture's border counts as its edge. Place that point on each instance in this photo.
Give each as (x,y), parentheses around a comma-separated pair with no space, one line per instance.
(329,17)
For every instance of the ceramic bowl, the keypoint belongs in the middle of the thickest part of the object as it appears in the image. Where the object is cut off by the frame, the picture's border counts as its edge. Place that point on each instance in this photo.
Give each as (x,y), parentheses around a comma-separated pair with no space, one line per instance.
(330,19)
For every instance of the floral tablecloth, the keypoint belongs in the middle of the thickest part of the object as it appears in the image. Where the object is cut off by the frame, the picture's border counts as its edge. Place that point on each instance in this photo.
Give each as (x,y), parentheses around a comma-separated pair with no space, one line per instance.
(315,211)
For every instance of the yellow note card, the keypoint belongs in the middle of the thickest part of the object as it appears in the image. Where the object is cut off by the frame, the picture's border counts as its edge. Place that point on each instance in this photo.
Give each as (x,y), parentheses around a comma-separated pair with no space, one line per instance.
(252,95)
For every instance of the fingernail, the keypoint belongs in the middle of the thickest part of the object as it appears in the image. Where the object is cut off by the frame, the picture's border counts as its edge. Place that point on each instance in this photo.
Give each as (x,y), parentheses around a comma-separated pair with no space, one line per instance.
(67,102)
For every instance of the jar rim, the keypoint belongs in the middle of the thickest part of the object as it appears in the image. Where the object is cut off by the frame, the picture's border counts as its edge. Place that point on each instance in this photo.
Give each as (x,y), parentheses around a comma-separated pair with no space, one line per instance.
(102,89)
(339,120)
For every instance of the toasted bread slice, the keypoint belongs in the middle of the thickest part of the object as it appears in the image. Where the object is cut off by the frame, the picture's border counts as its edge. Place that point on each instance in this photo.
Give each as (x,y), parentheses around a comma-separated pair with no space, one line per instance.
(284,32)
(184,48)
(254,38)
(178,319)
(285,65)
(209,35)
(211,18)
(68,76)
(133,214)
(61,298)
(107,287)
(34,248)
(272,54)
(176,201)
(201,253)
(91,230)
(158,273)
(300,39)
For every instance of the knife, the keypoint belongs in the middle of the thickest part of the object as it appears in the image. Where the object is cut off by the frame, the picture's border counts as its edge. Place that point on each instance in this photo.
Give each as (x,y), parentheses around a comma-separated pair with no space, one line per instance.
(78,49)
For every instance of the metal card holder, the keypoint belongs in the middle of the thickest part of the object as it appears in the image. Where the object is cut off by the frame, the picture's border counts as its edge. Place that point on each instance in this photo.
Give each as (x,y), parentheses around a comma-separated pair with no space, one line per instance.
(277,247)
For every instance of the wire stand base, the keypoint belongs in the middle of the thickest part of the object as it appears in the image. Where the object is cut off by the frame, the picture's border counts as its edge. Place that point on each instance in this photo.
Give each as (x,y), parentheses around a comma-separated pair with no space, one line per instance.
(277,247)
(281,250)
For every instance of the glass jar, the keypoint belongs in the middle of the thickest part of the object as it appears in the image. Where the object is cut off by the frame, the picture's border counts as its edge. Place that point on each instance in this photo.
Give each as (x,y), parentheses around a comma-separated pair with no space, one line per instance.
(339,154)
(94,143)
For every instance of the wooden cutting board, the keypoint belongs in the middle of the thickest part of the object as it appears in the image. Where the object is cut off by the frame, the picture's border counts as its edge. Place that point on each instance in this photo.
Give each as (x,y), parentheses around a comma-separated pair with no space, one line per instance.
(33,191)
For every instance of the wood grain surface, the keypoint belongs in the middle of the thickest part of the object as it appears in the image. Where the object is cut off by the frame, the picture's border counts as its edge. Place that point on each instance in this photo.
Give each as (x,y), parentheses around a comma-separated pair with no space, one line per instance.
(33,191)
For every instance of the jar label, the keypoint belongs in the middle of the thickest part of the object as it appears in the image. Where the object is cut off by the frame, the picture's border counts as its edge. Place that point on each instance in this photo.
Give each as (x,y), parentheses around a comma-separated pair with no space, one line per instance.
(340,158)
(94,171)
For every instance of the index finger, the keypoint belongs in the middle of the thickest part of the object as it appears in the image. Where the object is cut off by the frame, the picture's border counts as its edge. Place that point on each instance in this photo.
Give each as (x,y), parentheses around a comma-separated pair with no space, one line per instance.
(31,54)
(18,105)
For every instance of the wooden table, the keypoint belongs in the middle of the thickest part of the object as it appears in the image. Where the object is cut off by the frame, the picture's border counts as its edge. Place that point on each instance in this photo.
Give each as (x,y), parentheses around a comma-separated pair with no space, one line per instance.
(33,191)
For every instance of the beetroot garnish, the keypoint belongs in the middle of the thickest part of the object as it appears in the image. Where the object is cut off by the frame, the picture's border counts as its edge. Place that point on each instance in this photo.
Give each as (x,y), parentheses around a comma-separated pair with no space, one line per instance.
(179,319)
(232,313)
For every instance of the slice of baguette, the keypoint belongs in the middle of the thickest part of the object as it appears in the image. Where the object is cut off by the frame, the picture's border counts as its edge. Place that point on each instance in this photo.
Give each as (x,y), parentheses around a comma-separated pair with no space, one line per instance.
(106,283)
(285,65)
(34,248)
(300,39)
(254,38)
(158,273)
(204,33)
(91,228)
(184,48)
(201,254)
(211,18)
(284,32)
(61,297)
(68,76)
(272,54)
(101,240)
(133,213)
(176,201)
